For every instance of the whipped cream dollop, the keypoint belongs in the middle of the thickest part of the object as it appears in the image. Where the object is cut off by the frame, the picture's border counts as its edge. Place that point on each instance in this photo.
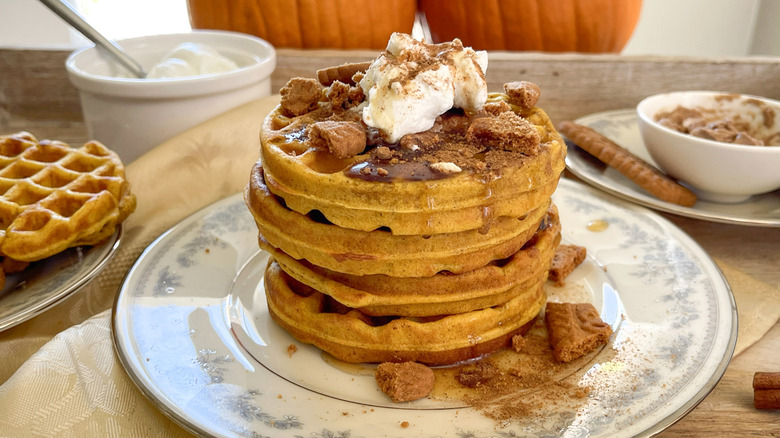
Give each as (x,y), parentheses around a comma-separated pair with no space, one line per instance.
(191,59)
(412,83)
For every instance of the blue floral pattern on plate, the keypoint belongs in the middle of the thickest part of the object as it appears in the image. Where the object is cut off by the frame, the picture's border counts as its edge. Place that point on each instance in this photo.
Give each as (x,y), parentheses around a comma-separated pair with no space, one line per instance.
(193,332)
(47,282)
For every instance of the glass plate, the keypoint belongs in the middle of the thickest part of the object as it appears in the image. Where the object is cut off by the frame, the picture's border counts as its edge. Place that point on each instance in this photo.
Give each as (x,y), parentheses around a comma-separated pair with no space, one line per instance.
(192,330)
(621,127)
(47,282)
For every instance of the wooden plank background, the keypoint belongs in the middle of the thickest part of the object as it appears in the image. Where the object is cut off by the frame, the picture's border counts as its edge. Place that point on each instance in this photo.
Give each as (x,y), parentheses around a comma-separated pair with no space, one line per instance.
(34,87)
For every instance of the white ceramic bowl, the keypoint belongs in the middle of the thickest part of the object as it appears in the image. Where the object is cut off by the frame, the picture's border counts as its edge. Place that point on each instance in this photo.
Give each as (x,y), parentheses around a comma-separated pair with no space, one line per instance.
(131,115)
(716,171)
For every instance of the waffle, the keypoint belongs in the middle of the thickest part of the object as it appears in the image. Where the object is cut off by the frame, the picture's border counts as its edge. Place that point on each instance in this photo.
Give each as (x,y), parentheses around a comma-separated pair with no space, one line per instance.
(310,179)
(444,293)
(356,252)
(55,196)
(352,336)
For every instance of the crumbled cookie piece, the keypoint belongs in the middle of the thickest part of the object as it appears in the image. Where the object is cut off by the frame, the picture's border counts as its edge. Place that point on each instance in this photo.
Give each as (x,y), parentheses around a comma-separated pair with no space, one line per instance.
(291,349)
(508,131)
(383,153)
(575,329)
(424,140)
(523,94)
(300,96)
(567,257)
(518,343)
(405,381)
(344,73)
(496,108)
(446,168)
(477,375)
(342,139)
(343,97)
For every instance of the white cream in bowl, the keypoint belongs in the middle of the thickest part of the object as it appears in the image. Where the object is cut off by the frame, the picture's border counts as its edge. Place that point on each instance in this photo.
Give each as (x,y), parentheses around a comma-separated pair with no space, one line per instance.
(132,115)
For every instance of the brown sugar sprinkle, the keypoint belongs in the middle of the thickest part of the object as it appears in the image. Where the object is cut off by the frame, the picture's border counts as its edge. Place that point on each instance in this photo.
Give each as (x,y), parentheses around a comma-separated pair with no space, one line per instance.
(507,385)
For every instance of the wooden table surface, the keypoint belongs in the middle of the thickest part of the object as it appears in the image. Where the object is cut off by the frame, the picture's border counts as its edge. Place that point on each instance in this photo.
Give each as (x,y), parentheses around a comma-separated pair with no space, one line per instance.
(35,95)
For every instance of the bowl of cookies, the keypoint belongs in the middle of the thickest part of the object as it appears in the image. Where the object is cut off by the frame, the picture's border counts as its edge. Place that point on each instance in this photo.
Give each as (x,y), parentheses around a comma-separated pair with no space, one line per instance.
(724,146)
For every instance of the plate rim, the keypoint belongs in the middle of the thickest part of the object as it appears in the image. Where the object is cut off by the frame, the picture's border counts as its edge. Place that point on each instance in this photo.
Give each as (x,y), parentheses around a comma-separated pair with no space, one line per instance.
(659,426)
(31,312)
(654,203)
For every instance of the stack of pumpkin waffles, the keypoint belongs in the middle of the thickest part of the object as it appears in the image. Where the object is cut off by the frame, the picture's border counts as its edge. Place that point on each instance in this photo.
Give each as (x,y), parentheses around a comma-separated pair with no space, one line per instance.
(434,248)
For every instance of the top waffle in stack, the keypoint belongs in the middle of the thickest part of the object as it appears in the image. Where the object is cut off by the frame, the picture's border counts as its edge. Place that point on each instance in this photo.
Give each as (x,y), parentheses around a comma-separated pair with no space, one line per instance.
(432,248)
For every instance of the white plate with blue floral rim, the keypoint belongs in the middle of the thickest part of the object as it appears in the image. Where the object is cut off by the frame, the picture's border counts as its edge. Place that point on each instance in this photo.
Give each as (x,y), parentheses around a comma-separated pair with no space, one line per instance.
(621,127)
(192,330)
(45,283)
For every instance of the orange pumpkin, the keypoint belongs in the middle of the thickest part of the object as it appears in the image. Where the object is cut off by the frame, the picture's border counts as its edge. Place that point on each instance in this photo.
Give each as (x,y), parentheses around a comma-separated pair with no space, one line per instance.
(308,24)
(542,25)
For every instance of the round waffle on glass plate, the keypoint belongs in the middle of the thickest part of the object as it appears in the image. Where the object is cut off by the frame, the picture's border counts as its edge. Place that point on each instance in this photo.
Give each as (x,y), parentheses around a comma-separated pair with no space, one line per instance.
(54,197)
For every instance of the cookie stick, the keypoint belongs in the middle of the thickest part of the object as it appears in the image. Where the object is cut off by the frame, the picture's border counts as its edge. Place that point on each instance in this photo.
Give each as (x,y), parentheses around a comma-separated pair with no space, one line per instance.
(634,168)
(766,390)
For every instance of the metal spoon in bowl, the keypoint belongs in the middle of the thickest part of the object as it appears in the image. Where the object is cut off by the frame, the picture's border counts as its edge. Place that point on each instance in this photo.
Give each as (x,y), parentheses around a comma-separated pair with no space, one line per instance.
(72,17)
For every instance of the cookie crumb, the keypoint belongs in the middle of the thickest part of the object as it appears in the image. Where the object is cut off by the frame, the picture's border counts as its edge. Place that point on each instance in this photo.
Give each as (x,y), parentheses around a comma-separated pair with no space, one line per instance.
(405,381)
(523,93)
(566,259)
(477,375)
(575,329)
(518,343)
